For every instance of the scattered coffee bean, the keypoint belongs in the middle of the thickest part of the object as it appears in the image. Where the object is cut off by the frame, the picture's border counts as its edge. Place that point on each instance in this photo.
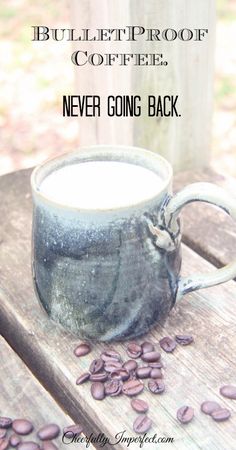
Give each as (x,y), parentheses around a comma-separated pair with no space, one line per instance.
(96,365)
(130,365)
(156,373)
(48,432)
(143,372)
(82,349)
(103,376)
(156,386)
(120,374)
(139,405)
(113,387)
(82,378)
(116,375)
(28,445)
(184,339)
(132,375)
(48,445)
(4,444)
(110,355)
(132,387)
(22,426)
(208,407)
(228,391)
(112,366)
(134,350)
(125,377)
(185,414)
(167,344)
(147,347)
(142,424)
(151,357)
(221,414)
(97,390)
(5,422)
(73,429)
(156,365)
(15,440)
(3,433)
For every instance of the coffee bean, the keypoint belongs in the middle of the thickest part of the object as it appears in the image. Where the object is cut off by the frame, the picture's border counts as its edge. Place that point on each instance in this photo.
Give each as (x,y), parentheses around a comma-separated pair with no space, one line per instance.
(5,422)
(3,433)
(228,391)
(132,375)
(185,414)
(134,350)
(167,344)
(48,432)
(151,356)
(110,355)
(28,445)
(147,347)
(156,365)
(82,349)
(96,365)
(48,445)
(132,387)
(143,372)
(116,376)
(221,414)
(97,390)
(103,376)
(112,366)
(156,373)
(139,405)
(113,388)
(142,424)
(209,406)
(82,378)
(120,374)
(130,365)
(73,430)
(156,386)
(4,444)
(184,339)
(15,440)
(22,426)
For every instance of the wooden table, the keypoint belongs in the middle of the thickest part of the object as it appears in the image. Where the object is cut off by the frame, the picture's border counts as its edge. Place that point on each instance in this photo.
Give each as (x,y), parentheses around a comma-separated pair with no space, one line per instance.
(22,396)
(43,358)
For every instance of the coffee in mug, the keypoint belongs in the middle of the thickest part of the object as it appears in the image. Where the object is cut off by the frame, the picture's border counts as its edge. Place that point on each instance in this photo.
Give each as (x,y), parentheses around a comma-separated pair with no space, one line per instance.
(101,184)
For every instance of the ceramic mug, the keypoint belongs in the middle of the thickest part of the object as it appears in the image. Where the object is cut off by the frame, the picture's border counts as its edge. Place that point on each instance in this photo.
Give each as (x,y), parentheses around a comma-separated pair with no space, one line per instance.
(113,274)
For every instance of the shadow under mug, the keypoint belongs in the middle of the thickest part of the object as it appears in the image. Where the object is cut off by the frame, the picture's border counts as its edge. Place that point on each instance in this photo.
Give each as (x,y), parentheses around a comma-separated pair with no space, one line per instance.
(112,274)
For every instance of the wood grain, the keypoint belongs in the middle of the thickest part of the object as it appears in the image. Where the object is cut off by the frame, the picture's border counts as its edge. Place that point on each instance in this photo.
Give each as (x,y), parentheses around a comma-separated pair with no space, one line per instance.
(207,230)
(22,396)
(192,374)
(184,140)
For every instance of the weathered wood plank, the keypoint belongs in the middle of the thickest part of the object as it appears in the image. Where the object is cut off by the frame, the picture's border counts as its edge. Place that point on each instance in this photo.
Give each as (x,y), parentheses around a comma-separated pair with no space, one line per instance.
(192,374)
(22,396)
(207,230)
(184,140)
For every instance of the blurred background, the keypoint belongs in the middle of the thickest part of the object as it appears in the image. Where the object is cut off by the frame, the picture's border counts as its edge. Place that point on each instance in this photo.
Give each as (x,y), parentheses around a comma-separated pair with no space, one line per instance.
(32,128)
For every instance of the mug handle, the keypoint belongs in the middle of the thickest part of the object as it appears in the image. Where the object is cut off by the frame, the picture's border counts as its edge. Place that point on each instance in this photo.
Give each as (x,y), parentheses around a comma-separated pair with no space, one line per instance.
(209,193)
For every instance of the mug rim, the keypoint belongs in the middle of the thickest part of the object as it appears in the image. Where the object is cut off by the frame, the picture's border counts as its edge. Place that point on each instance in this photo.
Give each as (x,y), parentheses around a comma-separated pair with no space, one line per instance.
(85,153)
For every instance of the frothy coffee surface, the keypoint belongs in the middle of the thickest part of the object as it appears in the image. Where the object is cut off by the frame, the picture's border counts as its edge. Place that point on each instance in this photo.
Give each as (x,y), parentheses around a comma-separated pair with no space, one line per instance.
(101,184)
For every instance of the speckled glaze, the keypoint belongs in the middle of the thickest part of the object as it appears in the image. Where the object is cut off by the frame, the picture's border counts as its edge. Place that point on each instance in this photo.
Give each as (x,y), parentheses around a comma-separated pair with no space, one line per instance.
(112,274)
(100,273)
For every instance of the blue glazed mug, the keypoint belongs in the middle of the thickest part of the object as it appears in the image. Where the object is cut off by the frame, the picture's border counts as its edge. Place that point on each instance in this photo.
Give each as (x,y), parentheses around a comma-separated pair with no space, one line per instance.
(112,274)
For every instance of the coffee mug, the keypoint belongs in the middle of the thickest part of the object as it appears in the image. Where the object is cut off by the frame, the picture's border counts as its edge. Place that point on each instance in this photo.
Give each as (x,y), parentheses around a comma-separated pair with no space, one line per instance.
(113,273)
